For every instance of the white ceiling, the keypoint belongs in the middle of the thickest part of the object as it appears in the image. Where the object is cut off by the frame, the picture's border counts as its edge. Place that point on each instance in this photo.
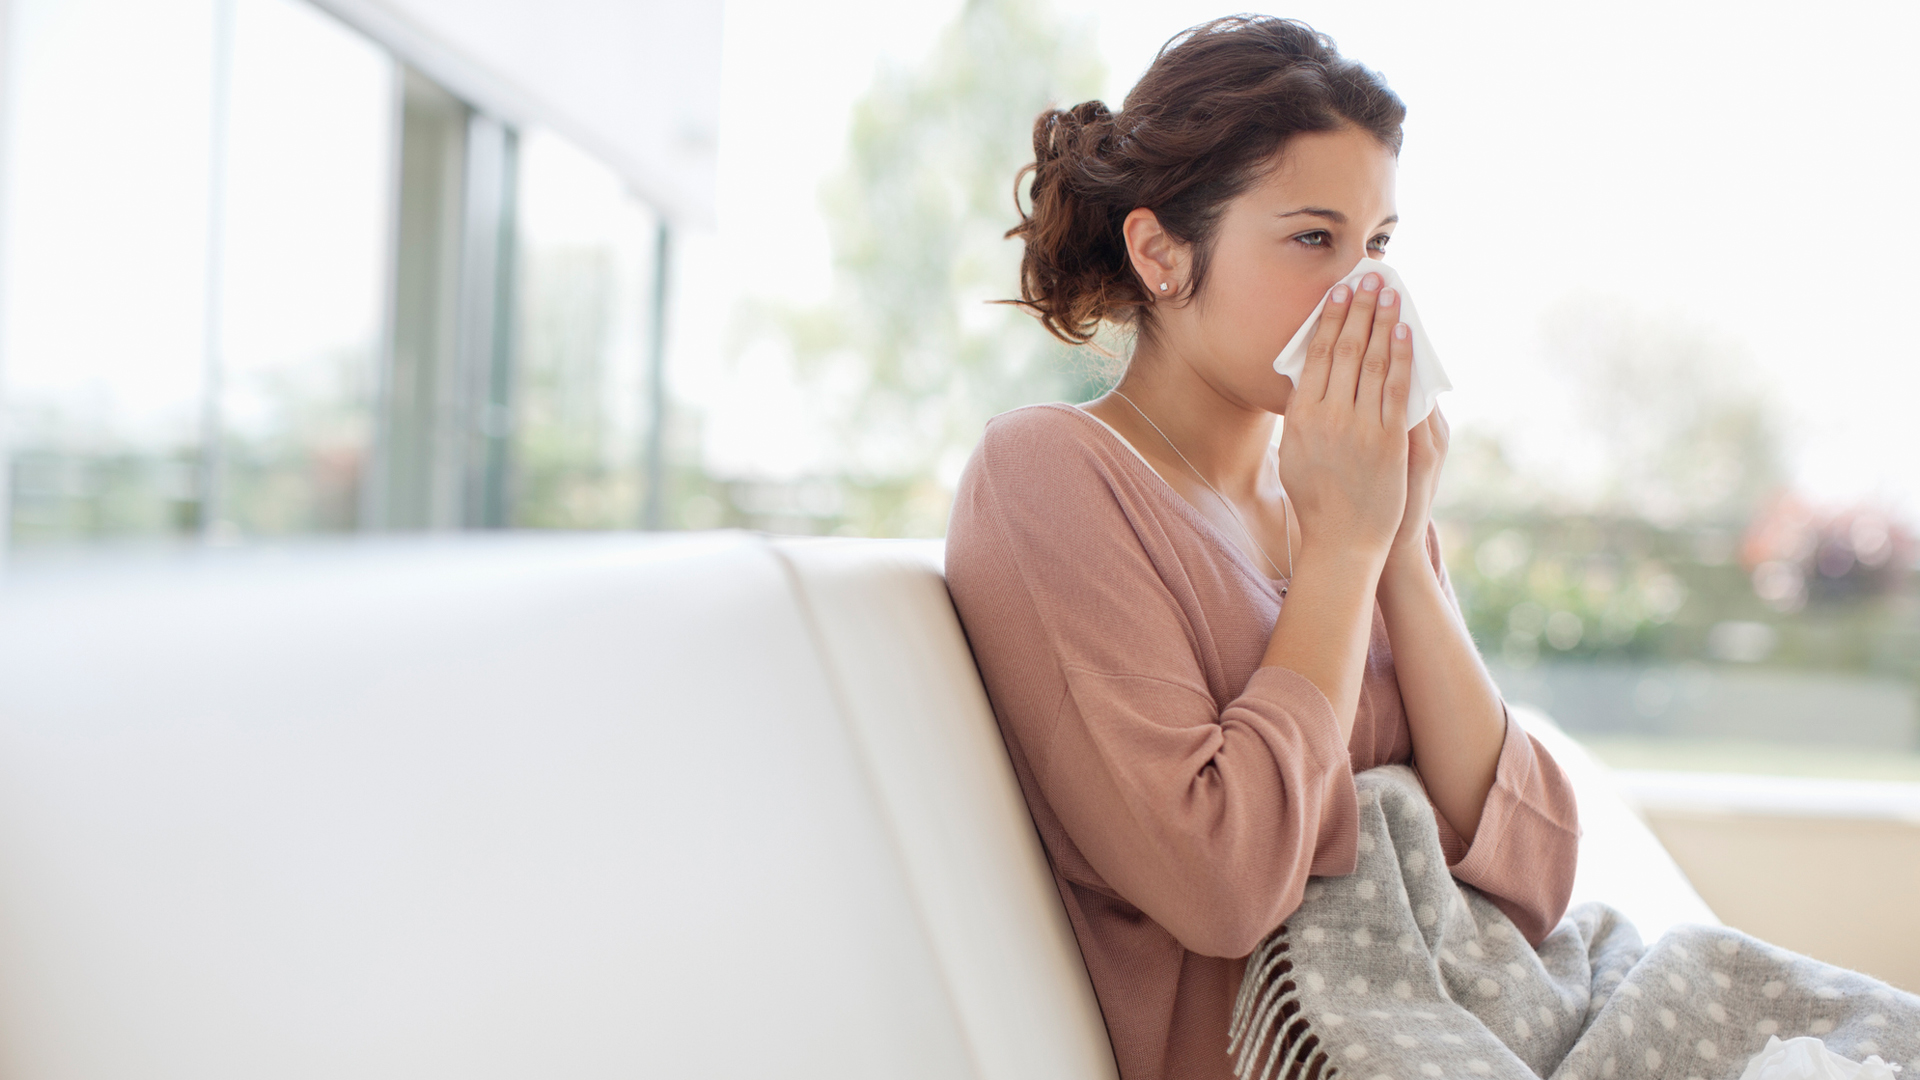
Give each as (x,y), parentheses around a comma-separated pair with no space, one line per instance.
(636,83)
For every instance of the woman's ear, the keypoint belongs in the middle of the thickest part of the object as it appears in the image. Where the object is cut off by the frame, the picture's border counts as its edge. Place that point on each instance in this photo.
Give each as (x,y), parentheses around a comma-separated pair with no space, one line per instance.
(1159,259)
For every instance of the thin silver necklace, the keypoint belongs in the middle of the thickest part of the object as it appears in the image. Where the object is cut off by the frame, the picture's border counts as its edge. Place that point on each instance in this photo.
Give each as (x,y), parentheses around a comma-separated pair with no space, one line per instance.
(1285,514)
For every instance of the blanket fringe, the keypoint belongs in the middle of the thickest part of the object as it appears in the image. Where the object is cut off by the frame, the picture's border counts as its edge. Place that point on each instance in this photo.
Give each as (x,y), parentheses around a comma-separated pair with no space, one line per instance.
(1269,1007)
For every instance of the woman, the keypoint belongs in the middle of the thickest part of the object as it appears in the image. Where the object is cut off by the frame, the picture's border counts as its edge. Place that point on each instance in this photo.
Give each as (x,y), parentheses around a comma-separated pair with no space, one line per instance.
(1191,641)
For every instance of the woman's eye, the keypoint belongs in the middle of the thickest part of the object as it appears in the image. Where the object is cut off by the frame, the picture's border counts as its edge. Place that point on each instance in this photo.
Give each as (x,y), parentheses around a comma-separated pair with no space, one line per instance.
(1379,243)
(1314,239)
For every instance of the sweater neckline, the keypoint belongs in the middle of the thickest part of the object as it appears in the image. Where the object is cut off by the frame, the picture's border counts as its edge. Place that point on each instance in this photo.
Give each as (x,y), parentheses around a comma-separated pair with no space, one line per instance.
(1195,519)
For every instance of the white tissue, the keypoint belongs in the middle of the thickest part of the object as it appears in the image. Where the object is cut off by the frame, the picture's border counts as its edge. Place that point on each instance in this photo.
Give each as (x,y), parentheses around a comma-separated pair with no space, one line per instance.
(1429,378)
(1807,1058)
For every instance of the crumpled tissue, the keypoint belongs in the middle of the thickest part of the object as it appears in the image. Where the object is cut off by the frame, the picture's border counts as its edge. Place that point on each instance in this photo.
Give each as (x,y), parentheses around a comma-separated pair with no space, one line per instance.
(1807,1058)
(1429,378)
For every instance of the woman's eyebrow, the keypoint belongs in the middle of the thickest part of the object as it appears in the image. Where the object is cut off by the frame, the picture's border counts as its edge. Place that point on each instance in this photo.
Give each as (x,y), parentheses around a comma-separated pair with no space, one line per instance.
(1334,216)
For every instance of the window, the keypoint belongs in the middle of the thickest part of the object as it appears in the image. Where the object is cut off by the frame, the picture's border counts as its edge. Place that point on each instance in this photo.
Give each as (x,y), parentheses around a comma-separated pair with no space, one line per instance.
(303,270)
(585,314)
(106,269)
(265,279)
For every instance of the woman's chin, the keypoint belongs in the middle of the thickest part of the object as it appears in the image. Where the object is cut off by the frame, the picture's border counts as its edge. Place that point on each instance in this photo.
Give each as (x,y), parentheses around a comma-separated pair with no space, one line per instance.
(1276,402)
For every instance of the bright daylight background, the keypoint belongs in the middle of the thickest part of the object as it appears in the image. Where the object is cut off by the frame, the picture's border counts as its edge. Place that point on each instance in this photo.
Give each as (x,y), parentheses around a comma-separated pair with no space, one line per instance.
(1663,249)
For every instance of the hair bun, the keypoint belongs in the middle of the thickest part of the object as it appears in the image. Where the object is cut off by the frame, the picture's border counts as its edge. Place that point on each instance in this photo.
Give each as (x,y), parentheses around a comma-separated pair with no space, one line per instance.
(1066,133)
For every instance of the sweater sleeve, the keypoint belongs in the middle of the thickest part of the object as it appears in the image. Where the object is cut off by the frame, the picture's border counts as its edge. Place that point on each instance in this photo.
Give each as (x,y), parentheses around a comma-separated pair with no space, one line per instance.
(1524,851)
(1207,819)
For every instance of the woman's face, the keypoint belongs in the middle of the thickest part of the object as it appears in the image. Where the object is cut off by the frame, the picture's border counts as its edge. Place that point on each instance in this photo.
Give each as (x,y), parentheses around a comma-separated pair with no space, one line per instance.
(1280,246)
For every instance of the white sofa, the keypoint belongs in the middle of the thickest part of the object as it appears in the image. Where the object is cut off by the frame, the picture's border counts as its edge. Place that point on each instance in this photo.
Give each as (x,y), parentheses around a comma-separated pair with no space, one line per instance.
(705,805)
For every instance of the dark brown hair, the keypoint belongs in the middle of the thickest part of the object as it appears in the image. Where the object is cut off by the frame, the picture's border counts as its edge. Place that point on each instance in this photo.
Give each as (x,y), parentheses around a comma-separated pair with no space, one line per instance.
(1200,127)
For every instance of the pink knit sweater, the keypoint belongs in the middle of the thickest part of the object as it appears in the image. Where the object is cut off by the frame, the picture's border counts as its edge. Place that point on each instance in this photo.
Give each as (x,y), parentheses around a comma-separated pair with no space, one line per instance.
(1183,792)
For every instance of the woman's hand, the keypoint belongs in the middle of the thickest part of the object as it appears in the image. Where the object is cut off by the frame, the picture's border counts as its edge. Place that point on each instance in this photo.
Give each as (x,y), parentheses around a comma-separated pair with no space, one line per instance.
(1344,450)
(1426,453)
(1343,459)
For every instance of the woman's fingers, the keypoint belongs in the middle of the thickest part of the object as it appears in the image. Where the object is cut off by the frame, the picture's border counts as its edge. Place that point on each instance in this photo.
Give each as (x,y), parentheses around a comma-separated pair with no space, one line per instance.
(1375,362)
(1398,386)
(1333,314)
(1351,347)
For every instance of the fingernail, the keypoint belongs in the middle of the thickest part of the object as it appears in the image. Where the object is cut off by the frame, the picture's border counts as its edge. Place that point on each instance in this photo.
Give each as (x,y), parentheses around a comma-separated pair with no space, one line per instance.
(1387,297)
(1400,331)
(1370,282)
(1340,294)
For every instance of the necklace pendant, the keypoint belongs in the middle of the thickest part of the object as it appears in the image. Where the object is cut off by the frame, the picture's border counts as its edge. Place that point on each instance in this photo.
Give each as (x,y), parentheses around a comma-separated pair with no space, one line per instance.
(1283,590)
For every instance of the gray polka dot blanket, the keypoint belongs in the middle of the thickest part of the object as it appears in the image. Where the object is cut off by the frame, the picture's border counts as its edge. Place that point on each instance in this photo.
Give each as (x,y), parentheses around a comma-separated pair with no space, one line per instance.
(1399,972)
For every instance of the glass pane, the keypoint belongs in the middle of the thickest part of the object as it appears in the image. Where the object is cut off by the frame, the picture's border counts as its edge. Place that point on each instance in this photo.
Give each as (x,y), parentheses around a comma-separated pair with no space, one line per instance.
(419,477)
(106,245)
(307,192)
(585,283)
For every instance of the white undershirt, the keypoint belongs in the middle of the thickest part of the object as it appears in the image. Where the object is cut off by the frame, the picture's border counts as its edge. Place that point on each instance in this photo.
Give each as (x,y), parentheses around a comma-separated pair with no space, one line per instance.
(1123,440)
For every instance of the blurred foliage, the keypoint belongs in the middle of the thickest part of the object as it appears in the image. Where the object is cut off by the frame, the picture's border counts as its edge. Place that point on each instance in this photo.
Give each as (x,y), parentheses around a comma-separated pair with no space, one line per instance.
(1684,433)
(909,358)
(1686,544)
(291,457)
(63,494)
(295,465)
(575,463)
(1597,587)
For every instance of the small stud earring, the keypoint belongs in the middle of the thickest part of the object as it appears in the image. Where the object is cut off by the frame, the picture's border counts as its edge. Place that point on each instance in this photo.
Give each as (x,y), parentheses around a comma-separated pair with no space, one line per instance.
(1163,286)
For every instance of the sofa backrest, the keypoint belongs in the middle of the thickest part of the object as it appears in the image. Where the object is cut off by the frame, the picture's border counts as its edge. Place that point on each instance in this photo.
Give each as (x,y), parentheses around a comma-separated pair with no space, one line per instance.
(915,707)
(479,807)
